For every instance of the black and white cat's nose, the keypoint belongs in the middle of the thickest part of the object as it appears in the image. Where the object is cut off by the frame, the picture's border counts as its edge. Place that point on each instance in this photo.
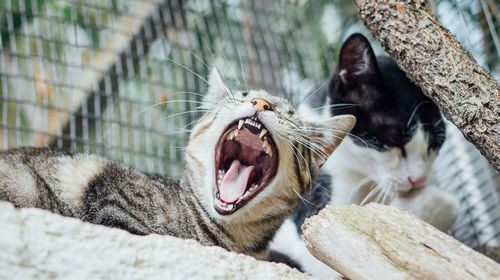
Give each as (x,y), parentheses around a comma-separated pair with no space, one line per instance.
(417,181)
(260,104)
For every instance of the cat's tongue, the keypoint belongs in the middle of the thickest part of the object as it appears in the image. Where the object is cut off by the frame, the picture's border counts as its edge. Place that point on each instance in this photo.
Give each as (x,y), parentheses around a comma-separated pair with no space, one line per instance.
(235,181)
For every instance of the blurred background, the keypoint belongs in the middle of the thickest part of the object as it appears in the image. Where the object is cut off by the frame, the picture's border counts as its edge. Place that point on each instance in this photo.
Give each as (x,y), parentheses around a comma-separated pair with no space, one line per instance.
(124,78)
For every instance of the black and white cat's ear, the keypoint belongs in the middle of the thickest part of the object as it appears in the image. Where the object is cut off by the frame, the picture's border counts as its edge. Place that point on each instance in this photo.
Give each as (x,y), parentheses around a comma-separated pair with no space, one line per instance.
(217,89)
(356,59)
(327,135)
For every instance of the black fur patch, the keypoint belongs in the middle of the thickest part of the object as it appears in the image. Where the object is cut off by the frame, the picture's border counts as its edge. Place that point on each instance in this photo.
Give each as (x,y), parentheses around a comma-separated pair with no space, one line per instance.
(313,201)
(388,106)
(278,257)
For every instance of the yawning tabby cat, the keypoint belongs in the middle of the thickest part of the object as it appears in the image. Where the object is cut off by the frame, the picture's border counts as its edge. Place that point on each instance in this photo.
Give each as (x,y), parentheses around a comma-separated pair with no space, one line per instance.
(248,161)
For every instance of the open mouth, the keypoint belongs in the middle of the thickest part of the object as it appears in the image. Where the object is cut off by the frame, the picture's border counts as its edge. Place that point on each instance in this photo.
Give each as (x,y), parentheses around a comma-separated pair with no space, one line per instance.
(246,161)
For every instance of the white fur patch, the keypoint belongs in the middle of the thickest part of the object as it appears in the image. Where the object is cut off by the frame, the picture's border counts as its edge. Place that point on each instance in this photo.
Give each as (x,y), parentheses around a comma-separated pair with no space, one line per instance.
(355,168)
(288,242)
(74,174)
(18,183)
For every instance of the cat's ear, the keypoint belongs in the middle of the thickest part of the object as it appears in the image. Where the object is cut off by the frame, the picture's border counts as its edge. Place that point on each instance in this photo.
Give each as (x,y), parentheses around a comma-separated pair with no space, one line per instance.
(356,60)
(217,89)
(327,135)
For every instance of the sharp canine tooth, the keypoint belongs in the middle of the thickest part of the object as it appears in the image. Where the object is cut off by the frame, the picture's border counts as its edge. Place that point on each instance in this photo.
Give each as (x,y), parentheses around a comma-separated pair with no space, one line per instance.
(240,124)
(266,145)
(230,207)
(235,132)
(263,132)
(231,135)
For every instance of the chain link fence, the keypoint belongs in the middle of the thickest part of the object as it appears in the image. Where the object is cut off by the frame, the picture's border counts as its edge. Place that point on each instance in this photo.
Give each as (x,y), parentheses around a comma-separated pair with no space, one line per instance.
(124,78)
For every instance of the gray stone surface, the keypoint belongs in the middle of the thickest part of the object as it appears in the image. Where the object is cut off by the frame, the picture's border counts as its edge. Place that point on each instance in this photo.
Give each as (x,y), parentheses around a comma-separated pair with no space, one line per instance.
(36,244)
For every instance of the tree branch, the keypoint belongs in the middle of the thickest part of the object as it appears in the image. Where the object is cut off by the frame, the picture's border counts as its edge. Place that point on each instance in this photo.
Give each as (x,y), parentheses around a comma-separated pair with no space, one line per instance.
(466,93)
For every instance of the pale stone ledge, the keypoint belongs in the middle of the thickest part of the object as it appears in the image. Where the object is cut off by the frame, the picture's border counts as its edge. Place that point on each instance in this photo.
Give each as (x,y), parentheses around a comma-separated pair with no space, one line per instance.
(36,244)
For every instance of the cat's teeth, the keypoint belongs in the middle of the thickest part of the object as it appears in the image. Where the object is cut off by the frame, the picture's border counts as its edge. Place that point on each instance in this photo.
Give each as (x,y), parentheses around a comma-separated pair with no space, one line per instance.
(240,124)
(235,132)
(246,194)
(231,134)
(230,207)
(253,123)
(254,187)
(267,148)
(263,132)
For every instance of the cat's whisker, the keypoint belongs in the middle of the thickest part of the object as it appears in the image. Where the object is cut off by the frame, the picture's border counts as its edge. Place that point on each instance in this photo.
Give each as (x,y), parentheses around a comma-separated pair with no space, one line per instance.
(315,148)
(390,195)
(380,193)
(415,111)
(233,72)
(335,106)
(437,122)
(322,130)
(295,151)
(232,98)
(165,103)
(207,67)
(188,69)
(370,194)
(385,192)
(315,91)
(242,71)
(359,184)
(181,113)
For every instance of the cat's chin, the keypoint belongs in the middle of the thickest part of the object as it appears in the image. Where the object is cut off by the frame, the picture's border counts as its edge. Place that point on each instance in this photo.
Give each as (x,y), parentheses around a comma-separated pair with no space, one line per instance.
(246,162)
(412,192)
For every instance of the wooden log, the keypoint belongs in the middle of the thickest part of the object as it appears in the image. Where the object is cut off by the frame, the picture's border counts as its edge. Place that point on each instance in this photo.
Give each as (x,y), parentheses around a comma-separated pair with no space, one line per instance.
(381,242)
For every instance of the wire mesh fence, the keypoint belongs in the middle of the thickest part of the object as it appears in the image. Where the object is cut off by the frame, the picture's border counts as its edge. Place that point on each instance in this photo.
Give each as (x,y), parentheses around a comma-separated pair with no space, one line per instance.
(124,78)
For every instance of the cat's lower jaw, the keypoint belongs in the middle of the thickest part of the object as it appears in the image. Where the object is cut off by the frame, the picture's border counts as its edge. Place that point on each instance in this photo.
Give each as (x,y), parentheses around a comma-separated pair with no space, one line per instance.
(432,205)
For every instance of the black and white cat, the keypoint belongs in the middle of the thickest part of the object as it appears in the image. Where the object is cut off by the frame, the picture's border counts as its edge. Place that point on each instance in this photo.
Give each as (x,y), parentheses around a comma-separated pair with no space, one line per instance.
(388,155)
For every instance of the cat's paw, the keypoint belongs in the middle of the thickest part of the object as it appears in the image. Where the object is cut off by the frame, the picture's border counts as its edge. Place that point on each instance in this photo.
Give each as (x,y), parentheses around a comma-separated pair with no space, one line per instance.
(433,205)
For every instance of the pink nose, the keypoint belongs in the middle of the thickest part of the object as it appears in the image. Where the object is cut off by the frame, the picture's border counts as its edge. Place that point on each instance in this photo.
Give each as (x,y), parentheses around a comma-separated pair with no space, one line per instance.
(417,181)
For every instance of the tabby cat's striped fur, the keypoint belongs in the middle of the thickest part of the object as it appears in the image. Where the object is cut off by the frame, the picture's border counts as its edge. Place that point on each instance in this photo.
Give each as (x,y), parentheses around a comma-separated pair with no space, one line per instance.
(100,191)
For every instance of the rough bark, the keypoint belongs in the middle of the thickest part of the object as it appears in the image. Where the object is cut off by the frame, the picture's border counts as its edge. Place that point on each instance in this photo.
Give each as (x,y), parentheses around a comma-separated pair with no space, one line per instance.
(382,242)
(467,94)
